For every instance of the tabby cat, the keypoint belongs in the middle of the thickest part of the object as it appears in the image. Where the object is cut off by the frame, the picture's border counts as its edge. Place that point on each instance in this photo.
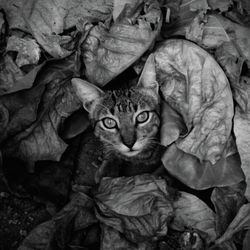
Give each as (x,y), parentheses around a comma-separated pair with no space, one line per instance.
(127,122)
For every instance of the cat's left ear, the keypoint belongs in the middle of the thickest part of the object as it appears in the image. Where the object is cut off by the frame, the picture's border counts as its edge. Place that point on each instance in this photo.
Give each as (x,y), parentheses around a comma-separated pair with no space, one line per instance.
(88,93)
(148,75)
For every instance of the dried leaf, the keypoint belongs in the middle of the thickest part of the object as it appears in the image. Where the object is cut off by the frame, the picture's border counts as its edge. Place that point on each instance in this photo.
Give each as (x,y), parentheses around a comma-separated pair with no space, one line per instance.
(12,79)
(202,175)
(108,52)
(18,111)
(195,86)
(246,243)
(218,30)
(242,134)
(27,48)
(220,5)
(47,19)
(77,215)
(172,125)
(240,222)
(13,12)
(39,238)
(191,212)
(227,201)
(40,141)
(232,62)
(139,207)
(114,240)
(9,75)
(187,12)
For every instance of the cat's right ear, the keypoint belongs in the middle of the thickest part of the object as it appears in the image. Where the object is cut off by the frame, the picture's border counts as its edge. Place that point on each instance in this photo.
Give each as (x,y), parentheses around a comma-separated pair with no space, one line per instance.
(88,93)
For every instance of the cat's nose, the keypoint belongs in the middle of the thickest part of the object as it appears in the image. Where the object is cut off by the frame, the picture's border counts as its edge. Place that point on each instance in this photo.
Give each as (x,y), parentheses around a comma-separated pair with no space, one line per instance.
(129,141)
(129,144)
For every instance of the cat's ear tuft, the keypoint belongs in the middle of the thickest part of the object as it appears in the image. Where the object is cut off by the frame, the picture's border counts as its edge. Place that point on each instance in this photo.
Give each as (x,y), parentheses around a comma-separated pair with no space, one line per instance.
(148,75)
(88,93)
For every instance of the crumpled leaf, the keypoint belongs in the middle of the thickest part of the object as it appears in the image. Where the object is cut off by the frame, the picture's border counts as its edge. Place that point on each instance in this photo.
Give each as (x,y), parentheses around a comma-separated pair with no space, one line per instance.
(222,5)
(195,86)
(189,170)
(109,51)
(12,79)
(218,30)
(119,6)
(191,212)
(172,125)
(39,237)
(114,240)
(18,111)
(231,41)
(3,30)
(40,141)
(13,12)
(246,243)
(227,201)
(27,48)
(9,74)
(77,215)
(232,62)
(47,19)
(188,10)
(139,207)
(240,222)
(242,135)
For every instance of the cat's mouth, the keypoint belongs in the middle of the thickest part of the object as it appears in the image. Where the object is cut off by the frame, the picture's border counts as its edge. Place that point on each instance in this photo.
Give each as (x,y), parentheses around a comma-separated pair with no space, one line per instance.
(131,153)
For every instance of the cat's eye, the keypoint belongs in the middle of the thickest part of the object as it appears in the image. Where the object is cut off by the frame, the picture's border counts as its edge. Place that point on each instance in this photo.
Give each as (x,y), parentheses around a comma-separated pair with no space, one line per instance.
(109,123)
(142,117)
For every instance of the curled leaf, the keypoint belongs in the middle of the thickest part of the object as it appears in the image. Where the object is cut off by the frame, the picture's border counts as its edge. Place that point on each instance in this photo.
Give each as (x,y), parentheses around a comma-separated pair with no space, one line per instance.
(138,207)
(191,212)
(240,222)
(27,48)
(195,86)
(227,201)
(109,51)
(242,132)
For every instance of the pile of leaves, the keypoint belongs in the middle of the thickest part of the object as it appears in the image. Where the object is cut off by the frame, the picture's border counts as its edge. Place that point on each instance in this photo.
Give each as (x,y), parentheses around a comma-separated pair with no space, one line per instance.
(198,52)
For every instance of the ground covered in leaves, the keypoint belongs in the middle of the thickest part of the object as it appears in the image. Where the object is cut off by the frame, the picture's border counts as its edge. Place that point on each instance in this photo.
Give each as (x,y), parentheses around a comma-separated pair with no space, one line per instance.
(197,51)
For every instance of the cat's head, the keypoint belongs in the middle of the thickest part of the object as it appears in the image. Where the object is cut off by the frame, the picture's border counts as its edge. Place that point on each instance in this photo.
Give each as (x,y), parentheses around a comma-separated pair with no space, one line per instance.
(126,120)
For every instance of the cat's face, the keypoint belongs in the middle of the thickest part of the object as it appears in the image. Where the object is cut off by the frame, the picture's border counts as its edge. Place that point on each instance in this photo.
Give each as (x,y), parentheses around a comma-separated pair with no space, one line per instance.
(126,120)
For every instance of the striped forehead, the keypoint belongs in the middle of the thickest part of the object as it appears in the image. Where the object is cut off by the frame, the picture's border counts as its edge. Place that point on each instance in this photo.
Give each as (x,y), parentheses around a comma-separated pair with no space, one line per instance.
(125,101)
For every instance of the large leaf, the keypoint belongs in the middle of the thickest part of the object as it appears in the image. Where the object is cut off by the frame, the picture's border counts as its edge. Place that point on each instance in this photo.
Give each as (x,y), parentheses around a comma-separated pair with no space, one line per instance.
(231,60)
(195,86)
(18,111)
(107,51)
(200,119)
(138,207)
(47,19)
(40,141)
(202,175)
(191,212)
(57,233)
(242,134)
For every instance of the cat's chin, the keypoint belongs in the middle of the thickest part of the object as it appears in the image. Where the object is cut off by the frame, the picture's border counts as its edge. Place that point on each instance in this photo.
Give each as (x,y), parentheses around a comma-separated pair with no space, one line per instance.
(131,153)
